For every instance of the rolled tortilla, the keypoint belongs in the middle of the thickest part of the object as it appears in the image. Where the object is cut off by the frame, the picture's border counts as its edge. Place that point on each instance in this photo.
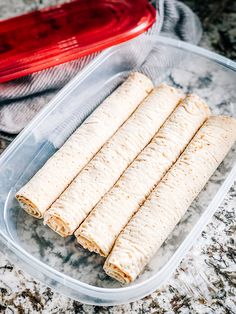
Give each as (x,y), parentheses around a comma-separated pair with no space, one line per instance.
(57,173)
(168,202)
(101,173)
(100,229)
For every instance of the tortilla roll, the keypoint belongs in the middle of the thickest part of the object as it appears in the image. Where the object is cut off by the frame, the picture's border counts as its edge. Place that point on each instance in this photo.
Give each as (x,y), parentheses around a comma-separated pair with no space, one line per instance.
(58,172)
(100,229)
(101,173)
(165,206)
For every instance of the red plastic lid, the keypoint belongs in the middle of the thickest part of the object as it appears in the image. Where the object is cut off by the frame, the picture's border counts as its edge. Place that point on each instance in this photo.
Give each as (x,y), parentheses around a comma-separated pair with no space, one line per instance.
(48,37)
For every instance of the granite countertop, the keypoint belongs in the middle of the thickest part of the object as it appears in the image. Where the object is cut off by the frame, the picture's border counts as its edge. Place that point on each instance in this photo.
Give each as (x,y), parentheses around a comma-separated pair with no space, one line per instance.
(205,281)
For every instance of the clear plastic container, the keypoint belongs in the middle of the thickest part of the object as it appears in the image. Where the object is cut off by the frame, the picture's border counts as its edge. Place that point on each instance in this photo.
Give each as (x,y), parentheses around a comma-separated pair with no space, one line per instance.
(62,263)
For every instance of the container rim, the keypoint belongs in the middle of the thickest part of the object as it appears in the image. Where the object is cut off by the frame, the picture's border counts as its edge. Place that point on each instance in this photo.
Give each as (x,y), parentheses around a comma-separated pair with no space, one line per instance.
(99,292)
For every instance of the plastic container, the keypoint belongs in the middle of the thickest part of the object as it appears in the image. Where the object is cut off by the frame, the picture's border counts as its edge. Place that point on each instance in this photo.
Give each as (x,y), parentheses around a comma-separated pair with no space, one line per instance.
(51,36)
(62,263)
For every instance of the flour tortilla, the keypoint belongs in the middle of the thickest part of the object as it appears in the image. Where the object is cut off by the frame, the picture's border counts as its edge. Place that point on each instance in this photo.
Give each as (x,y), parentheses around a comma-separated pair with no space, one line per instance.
(101,173)
(165,206)
(58,172)
(100,229)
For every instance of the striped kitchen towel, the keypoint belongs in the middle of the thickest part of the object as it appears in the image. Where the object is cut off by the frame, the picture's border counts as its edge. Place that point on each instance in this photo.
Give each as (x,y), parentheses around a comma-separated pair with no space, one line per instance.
(22,98)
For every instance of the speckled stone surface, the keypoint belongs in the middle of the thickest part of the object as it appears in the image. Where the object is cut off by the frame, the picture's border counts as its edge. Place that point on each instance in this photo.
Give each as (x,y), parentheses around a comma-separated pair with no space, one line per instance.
(218,19)
(205,281)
